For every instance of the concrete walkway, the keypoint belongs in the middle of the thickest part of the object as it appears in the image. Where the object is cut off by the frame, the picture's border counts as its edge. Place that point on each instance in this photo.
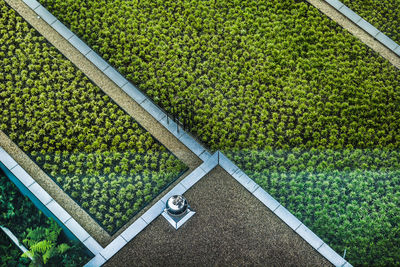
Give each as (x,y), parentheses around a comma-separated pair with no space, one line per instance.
(354,29)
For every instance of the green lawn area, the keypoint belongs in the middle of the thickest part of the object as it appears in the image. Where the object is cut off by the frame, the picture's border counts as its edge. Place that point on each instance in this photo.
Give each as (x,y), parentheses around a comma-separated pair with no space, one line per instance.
(93,149)
(272,82)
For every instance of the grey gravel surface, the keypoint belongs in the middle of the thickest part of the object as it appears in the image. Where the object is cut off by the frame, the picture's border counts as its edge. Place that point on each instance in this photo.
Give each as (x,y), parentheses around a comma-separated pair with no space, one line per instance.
(230,227)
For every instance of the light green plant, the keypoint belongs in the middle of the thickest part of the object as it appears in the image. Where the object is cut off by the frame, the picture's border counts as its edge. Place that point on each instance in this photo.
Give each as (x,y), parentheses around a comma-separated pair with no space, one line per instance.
(42,244)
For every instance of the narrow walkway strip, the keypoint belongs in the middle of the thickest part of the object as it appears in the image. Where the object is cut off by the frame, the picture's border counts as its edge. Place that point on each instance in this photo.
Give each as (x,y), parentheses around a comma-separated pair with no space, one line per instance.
(360,28)
(365,25)
(126,95)
(140,108)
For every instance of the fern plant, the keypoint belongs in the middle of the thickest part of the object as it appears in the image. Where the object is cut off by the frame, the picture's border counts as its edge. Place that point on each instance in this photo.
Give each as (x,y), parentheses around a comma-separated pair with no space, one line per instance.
(42,244)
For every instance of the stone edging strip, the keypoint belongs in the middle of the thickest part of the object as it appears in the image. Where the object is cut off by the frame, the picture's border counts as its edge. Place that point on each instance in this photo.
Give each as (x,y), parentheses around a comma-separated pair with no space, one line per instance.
(209,162)
(49,202)
(365,25)
(14,239)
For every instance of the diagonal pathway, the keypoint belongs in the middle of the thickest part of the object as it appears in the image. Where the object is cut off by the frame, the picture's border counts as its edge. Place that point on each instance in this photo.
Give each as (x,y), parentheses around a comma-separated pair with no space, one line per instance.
(357,31)
(226,230)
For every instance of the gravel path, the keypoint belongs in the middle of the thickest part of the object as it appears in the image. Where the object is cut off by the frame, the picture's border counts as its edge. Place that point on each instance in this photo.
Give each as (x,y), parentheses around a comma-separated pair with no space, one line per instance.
(120,97)
(230,228)
(367,39)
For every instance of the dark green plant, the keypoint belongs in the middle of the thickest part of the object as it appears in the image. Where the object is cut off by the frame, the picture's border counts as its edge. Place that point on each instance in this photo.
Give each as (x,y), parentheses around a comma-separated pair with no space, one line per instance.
(25,215)
(16,209)
(383,14)
(10,254)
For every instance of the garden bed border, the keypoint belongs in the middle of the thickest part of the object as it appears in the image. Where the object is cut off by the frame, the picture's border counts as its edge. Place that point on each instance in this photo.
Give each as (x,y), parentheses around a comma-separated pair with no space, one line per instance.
(117,79)
(146,103)
(365,25)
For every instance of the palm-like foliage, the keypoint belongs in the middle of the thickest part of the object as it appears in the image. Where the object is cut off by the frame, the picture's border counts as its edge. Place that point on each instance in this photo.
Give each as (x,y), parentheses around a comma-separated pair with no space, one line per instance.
(22,214)
(42,244)
(267,75)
